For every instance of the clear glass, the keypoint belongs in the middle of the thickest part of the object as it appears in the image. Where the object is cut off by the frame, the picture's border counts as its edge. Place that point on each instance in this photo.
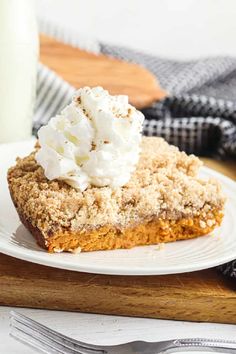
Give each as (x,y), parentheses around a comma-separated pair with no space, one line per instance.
(18,68)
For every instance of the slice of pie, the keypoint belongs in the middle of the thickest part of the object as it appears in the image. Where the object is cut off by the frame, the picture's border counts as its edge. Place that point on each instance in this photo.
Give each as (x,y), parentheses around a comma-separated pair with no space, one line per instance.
(163,201)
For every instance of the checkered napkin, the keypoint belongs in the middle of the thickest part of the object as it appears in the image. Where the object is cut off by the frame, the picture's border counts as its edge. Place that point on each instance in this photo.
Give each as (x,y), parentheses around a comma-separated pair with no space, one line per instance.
(199,115)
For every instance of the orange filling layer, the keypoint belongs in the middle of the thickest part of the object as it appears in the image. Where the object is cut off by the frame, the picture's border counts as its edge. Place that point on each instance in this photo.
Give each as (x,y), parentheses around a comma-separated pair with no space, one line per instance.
(153,232)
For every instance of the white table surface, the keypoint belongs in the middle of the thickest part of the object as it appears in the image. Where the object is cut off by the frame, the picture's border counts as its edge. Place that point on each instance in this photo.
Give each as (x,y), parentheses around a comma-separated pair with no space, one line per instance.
(101,329)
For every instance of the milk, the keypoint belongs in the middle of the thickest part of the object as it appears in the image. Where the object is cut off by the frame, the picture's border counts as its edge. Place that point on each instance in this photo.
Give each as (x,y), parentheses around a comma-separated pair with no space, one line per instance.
(18,68)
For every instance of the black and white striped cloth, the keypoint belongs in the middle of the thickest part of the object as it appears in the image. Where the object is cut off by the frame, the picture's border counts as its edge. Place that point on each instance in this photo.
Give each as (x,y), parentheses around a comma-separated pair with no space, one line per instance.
(199,115)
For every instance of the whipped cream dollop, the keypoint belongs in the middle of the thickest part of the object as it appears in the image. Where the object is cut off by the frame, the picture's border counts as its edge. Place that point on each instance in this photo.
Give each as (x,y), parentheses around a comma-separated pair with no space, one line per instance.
(95,140)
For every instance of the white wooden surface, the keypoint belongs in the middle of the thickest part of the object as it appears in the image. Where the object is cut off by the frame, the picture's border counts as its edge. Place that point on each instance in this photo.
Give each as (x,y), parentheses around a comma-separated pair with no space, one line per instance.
(100,329)
(180,29)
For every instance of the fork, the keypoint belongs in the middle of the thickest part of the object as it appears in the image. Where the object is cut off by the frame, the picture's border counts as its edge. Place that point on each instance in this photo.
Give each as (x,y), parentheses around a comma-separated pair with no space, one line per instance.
(46,340)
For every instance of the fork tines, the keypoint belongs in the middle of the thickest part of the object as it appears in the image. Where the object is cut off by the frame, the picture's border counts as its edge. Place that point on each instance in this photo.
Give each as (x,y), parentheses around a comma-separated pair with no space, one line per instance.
(46,340)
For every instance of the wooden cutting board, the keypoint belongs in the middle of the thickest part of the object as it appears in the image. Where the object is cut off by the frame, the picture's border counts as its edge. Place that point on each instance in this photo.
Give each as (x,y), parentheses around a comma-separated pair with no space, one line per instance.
(81,68)
(198,296)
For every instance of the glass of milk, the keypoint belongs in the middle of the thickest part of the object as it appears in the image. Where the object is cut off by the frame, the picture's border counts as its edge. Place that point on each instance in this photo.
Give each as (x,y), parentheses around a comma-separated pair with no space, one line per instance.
(18,68)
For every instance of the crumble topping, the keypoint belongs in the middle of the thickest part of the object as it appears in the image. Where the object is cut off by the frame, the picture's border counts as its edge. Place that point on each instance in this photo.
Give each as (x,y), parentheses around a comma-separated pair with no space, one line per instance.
(164,185)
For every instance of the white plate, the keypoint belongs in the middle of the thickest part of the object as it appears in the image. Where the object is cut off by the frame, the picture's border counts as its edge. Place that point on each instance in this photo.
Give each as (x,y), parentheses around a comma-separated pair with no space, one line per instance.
(178,257)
